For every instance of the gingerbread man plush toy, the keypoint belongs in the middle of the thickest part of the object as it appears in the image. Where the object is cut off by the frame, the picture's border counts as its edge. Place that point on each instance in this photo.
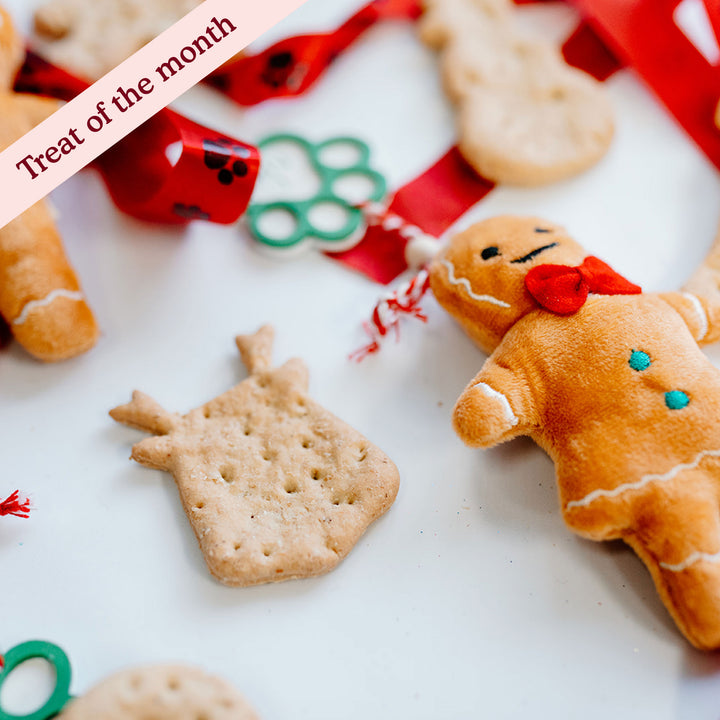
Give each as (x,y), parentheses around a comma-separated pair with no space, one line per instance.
(40,296)
(611,383)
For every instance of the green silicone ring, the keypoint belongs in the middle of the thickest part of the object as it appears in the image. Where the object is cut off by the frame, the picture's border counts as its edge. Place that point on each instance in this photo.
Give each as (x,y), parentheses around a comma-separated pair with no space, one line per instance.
(300,210)
(63,674)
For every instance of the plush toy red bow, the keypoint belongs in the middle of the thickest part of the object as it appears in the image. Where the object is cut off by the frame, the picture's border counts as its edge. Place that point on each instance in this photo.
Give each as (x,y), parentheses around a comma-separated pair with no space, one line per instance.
(563,289)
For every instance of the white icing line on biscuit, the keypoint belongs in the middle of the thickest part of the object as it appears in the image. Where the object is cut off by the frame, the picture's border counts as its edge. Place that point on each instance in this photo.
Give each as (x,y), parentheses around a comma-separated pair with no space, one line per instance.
(464,282)
(695,557)
(47,300)
(702,315)
(643,481)
(510,416)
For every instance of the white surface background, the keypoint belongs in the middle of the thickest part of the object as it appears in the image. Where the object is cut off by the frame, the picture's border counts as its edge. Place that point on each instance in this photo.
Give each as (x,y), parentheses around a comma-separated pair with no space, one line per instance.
(469,598)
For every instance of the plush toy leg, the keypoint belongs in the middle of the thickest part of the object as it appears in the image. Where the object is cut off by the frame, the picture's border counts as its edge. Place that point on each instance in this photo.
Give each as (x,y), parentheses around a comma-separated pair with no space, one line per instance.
(677,535)
(40,295)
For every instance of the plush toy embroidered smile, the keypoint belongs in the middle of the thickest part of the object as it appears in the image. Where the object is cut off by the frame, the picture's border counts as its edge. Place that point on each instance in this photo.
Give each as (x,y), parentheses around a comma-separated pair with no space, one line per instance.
(609,381)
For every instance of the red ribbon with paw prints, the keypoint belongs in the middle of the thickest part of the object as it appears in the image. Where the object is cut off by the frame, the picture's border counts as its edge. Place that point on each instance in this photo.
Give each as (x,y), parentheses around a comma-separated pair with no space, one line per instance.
(211,177)
(292,66)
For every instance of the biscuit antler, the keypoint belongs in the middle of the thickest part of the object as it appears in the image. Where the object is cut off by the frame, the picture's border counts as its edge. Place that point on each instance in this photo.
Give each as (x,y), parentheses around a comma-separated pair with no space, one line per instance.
(143,413)
(256,349)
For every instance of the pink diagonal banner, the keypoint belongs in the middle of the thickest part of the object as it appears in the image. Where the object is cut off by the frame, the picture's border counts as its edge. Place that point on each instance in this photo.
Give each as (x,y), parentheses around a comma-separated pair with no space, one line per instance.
(129,95)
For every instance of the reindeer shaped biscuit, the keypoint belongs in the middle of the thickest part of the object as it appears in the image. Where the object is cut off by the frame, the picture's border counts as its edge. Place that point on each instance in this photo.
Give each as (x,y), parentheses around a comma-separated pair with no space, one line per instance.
(40,296)
(275,486)
(609,381)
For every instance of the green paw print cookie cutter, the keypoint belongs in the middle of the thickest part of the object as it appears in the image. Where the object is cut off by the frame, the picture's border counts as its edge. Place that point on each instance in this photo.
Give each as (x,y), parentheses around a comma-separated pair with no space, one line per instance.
(305,231)
(63,674)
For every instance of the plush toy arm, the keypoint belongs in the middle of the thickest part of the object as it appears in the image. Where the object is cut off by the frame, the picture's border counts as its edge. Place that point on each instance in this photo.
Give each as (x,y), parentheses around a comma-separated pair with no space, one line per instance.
(699,309)
(143,413)
(496,406)
(702,292)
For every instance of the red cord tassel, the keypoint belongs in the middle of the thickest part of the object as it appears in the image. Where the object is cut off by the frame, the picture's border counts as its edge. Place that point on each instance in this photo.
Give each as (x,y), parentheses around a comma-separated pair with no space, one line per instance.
(15,505)
(406,300)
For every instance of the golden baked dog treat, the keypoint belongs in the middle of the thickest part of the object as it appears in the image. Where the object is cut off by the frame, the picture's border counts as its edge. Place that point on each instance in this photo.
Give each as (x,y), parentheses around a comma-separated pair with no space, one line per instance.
(91,38)
(40,297)
(274,485)
(162,692)
(609,381)
(524,116)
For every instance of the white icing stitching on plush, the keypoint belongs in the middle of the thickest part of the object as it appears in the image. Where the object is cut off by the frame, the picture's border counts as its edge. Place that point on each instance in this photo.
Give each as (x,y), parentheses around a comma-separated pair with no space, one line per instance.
(695,557)
(702,316)
(510,416)
(643,481)
(47,300)
(464,282)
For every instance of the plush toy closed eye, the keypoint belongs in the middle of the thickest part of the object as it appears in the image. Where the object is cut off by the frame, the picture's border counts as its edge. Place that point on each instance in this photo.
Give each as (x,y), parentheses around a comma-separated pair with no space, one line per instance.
(611,382)
(40,296)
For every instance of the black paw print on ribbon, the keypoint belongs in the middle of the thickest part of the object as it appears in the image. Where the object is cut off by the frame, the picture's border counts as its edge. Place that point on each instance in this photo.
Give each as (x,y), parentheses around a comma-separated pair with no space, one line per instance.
(190,212)
(227,158)
(39,77)
(278,70)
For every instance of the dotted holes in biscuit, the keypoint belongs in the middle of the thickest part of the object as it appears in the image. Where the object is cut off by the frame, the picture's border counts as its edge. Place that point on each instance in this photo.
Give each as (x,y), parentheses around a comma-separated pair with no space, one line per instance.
(227,473)
(206,413)
(315,474)
(173,684)
(362,453)
(267,551)
(291,487)
(199,506)
(237,546)
(302,406)
(344,499)
(307,443)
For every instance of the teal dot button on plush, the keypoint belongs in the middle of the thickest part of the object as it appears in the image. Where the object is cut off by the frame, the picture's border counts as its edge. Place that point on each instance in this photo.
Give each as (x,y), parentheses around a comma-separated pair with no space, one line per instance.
(639,360)
(676,399)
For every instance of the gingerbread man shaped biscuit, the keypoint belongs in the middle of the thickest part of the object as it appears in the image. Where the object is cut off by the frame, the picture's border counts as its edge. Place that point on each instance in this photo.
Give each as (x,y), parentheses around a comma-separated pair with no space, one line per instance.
(40,296)
(611,383)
